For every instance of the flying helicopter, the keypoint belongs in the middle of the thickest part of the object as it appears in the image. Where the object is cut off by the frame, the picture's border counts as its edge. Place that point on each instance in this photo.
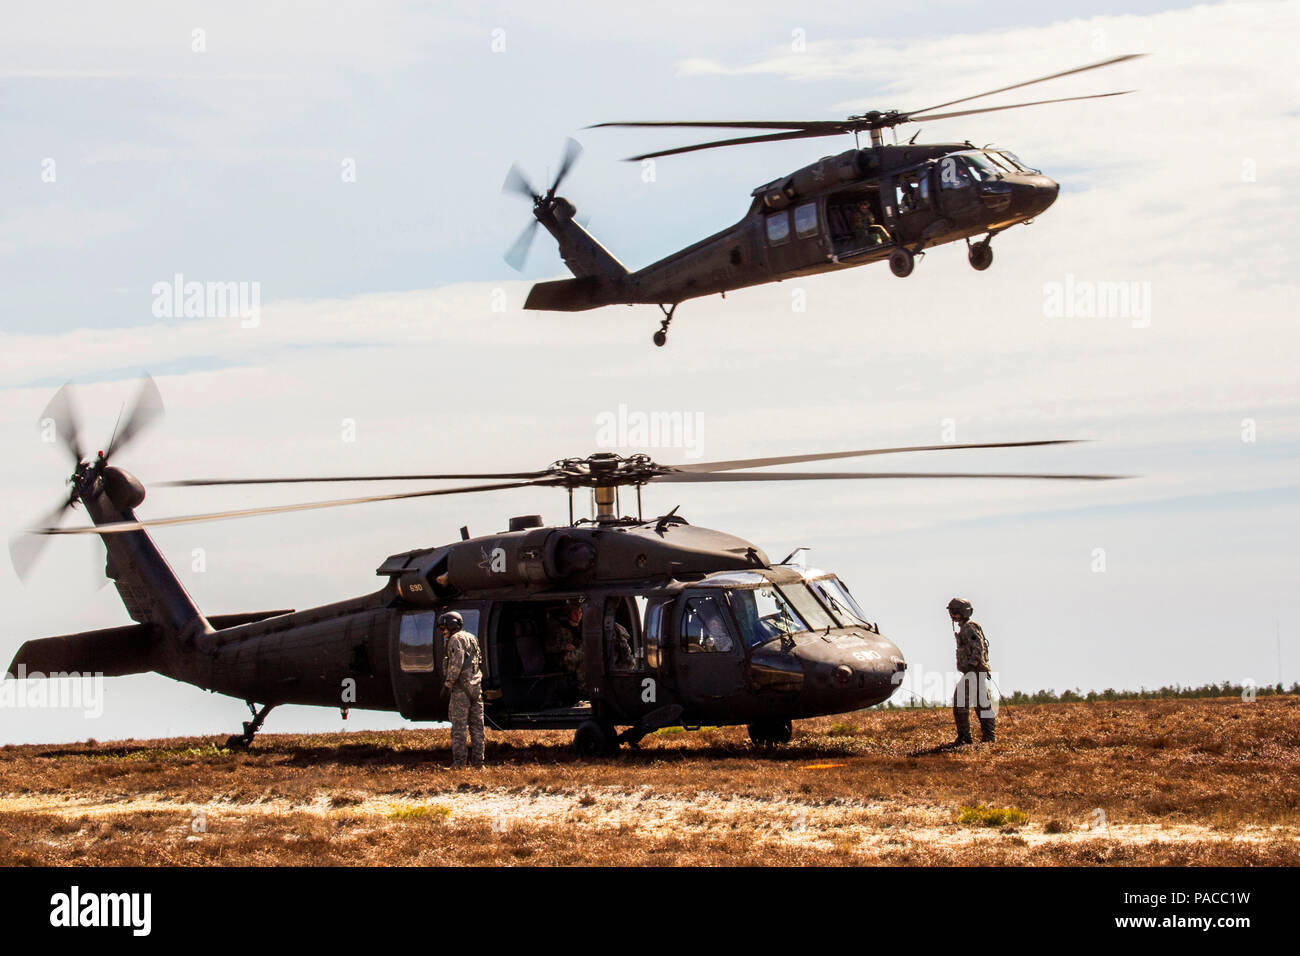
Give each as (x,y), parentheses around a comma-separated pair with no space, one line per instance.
(864,205)
(680,625)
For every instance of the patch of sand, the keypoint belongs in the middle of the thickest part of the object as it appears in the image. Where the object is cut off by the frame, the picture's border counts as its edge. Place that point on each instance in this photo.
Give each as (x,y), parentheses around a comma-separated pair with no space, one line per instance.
(814,824)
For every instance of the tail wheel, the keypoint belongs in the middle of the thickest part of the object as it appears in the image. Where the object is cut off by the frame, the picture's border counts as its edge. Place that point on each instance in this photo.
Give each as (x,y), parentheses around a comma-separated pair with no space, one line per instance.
(771,731)
(594,739)
(901,262)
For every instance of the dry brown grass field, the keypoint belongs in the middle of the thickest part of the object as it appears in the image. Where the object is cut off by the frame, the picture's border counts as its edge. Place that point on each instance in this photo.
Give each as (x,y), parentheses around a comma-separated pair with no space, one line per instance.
(1179,782)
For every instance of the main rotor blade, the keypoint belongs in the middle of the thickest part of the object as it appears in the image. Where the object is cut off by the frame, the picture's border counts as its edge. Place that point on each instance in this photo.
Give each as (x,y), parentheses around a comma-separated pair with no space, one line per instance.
(516,182)
(839,475)
(712,466)
(760,124)
(63,413)
(1041,79)
(912,118)
(741,140)
(517,254)
(147,410)
(572,150)
(120,527)
(25,547)
(204,482)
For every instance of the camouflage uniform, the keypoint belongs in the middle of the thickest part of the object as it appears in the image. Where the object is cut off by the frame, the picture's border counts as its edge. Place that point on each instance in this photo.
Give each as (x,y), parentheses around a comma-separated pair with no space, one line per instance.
(973,687)
(620,650)
(464,679)
(564,641)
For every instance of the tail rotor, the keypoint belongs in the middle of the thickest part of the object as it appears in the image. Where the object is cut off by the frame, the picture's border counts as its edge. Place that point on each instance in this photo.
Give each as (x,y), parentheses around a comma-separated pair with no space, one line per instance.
(25,547)
(543,203)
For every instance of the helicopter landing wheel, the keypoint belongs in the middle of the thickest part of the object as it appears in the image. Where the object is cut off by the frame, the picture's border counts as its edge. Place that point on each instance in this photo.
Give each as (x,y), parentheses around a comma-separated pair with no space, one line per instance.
(245,740)
(770,731)
(594,739)
(661,337)
(901,262)
(980,255)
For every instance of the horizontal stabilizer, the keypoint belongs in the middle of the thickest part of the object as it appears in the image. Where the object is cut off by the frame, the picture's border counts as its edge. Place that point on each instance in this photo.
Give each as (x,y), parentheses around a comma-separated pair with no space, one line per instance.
(112,652)
(572,295)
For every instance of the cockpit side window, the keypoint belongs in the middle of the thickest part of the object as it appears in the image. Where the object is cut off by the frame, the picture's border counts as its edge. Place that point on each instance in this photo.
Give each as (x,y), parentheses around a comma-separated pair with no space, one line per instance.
(764,614)
(913,190)
(953,173)
(704,625)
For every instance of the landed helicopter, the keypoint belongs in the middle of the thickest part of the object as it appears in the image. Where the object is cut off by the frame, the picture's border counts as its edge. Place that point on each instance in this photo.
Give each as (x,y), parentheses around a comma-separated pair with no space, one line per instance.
(679,626)
(864,205)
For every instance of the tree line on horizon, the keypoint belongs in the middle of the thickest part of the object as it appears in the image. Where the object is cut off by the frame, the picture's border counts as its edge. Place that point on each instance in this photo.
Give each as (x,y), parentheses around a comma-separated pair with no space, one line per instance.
(1171,692)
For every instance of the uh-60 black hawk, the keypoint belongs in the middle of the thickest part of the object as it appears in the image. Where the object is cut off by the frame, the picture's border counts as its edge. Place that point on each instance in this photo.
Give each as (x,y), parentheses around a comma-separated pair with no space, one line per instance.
(679,625)
(864,205)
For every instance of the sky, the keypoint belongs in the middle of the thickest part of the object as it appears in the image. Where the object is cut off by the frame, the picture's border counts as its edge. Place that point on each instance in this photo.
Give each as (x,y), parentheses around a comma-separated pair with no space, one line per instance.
(346,162)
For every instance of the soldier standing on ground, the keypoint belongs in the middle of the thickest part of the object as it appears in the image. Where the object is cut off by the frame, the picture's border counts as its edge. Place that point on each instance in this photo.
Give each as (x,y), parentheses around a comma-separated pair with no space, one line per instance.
(973,685)
(463,680)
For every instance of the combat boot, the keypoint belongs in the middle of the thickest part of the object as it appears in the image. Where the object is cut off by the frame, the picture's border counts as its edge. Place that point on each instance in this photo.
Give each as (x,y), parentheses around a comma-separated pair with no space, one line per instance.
(961,717)
(987,731)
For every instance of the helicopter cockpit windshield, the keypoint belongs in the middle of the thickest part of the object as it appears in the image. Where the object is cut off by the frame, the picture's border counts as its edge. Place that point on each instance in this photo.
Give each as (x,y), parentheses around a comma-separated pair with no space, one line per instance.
(768,612)
(836,596)
(1014,160)
(983,168)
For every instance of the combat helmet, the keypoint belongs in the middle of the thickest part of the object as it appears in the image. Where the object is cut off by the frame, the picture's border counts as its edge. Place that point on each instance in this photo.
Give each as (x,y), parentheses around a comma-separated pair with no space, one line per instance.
(961,607)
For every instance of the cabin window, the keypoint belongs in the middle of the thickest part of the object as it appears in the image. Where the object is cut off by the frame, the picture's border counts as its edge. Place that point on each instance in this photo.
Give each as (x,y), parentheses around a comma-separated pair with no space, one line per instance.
(415,640)
(778,227)
(805,220)
(704,625)
(654,632)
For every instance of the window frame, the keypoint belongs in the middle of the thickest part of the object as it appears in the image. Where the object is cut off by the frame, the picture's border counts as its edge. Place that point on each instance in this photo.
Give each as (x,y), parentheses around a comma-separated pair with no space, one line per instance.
(723,604)
(411,655)
(816,220)
(784,216)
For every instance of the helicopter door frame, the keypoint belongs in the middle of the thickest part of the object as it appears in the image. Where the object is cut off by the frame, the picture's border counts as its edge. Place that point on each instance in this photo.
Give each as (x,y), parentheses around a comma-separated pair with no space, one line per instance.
(704,675)
(957,186)
(906,222)
(622,691)
(416,655)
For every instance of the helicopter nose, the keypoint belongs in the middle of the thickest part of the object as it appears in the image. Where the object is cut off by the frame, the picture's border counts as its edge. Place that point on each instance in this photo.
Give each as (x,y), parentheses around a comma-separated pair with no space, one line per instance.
(1044,193)
(866,679)
(1026,197)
